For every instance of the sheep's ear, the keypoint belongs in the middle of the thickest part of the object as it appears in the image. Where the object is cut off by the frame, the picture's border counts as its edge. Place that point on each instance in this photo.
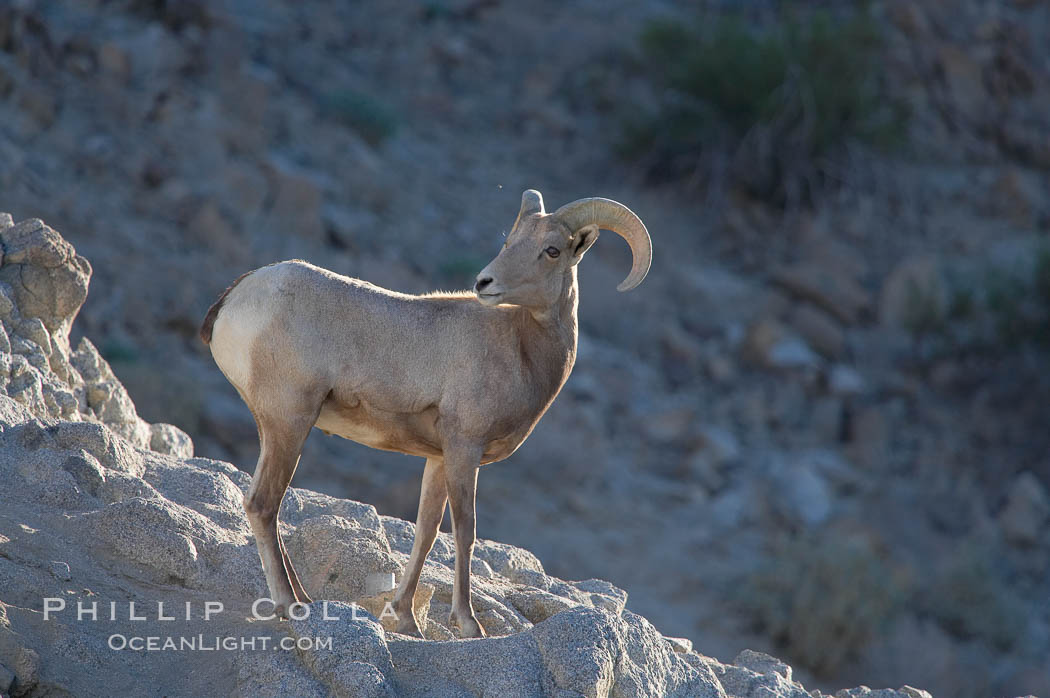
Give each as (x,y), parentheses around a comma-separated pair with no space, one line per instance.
(582,241)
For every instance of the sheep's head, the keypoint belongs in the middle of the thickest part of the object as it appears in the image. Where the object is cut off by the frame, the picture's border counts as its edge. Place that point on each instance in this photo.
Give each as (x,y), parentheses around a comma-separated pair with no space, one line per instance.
(535,263)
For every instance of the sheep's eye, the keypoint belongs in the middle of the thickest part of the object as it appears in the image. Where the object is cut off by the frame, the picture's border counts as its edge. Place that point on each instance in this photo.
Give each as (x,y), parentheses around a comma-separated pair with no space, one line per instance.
(552,252)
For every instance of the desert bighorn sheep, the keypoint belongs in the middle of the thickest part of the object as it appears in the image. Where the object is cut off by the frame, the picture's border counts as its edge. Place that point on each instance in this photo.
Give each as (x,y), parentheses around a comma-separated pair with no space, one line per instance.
(460,379)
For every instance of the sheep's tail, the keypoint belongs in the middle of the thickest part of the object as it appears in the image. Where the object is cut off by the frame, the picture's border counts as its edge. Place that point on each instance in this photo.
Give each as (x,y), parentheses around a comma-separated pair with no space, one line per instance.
(213,311)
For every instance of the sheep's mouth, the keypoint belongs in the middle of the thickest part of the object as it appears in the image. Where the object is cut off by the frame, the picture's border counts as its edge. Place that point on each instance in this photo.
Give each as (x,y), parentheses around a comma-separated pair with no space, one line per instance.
(489,297)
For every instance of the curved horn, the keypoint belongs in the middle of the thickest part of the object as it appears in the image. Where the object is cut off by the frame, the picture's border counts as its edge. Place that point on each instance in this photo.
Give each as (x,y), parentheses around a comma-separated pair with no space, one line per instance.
(612,215)
(531,202)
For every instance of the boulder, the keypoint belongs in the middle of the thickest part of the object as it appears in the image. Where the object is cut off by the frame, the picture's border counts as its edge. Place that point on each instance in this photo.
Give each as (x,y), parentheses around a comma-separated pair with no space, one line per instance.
(826,287)
(820,330)
(43,283)
(358,662)
(771,345)
(914,296)
(49,280)
(168,438)
(1024,517)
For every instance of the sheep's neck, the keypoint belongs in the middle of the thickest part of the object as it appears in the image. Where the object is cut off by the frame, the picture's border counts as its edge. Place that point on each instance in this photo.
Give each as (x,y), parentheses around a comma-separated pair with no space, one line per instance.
(559,325)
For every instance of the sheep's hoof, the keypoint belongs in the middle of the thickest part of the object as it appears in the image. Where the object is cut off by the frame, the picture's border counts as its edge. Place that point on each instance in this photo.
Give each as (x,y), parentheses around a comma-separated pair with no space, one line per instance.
(406,618)
(283,610)
(469,627)
(406,627)
(406,624)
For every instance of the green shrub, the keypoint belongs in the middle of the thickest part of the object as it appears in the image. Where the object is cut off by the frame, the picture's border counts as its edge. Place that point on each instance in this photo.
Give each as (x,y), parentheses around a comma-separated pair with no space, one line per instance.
(1020,301)
(373,119)
(822,598)
(925,313)
(1005,298)
(991,310)
(971,600)
(769,102)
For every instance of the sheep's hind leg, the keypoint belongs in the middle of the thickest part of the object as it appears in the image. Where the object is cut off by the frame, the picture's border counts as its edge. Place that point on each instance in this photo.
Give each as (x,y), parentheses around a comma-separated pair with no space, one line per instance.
(461,480)
(432,498)
(297,587)
(280,443)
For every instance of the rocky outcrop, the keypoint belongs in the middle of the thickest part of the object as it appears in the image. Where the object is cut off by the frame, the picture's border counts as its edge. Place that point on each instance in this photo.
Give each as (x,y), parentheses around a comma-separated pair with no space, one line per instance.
(43,283)
(115,541)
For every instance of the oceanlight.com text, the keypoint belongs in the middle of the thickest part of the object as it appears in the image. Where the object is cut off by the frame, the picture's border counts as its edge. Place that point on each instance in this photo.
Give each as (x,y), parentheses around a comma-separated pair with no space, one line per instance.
(215,643)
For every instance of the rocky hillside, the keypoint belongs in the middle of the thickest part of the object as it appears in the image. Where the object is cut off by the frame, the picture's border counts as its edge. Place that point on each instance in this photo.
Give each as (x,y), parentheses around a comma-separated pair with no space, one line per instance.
(817,429)
(103,511)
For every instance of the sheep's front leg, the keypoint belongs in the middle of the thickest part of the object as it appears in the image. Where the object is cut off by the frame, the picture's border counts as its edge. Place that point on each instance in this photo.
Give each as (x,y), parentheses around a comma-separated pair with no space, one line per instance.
(432,498)
(461,480)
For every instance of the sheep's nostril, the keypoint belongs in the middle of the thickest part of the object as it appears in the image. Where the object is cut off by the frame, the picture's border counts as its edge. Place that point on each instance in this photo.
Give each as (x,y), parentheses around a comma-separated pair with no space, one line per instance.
(482,283)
